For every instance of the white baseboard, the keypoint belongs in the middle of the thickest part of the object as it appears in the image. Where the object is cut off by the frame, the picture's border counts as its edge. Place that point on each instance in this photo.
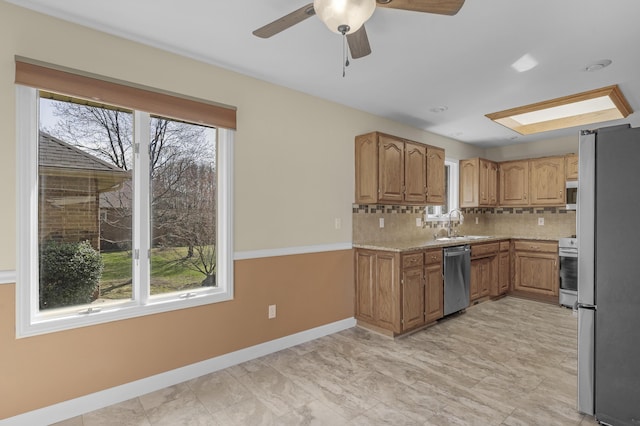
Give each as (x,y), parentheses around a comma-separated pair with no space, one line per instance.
(84,404)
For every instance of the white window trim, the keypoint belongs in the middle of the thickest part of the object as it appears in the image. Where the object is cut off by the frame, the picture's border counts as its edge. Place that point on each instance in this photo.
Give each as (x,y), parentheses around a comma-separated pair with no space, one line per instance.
(29,321)
(441,216)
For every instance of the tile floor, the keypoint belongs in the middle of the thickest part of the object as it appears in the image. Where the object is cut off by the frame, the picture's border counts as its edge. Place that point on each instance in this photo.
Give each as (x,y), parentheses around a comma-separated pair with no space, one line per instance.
(506,362)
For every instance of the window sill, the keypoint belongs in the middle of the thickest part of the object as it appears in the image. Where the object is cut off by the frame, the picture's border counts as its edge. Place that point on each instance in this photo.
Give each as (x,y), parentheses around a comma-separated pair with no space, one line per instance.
(71,318)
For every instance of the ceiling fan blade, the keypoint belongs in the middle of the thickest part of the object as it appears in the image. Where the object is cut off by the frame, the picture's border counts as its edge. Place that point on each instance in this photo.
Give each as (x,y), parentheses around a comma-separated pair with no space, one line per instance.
(359,43)
(285,22)
(440,7)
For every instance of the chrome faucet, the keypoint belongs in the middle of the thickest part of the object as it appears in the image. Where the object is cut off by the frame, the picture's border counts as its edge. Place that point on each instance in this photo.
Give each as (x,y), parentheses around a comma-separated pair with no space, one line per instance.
(460,220)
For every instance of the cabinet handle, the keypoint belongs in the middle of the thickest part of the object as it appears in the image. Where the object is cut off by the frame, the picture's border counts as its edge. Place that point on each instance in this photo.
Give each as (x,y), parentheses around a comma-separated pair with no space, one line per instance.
(525,195)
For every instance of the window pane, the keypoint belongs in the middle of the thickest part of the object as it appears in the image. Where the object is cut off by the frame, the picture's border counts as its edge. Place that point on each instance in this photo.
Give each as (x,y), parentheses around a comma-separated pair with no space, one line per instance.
(183,206)
(84,203)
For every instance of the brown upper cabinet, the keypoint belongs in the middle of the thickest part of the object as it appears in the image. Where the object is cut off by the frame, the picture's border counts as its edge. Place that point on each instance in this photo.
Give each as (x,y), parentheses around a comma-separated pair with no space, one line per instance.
(514,183)
(547,181)
(392,170)
(571,166)
(478,183)
(530,182)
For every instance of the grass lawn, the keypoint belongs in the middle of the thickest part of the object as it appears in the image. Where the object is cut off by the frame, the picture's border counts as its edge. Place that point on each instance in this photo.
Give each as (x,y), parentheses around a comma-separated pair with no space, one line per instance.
(169,272)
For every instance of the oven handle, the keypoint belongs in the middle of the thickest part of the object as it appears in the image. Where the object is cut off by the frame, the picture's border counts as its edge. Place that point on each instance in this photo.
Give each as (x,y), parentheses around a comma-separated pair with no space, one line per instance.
(568,252)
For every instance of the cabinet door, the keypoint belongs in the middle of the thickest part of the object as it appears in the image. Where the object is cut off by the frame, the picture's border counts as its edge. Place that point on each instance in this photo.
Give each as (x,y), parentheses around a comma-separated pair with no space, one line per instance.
(514,183)
(412,298)
(366,153)
(571,166)
(547,180)
(492,184)
(474,279)
(485,178)
(536,273)
(486,275)
(366,271)
(435,176)
(391,169)
(415,173)
(387,299)
(469,185)
(504,269)
(434,293)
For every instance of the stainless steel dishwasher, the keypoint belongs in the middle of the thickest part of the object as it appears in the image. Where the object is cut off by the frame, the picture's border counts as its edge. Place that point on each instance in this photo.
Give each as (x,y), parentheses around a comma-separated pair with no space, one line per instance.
(457,270)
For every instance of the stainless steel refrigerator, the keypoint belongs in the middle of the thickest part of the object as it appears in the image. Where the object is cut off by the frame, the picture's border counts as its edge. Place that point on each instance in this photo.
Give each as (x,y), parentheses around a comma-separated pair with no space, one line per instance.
(609,275)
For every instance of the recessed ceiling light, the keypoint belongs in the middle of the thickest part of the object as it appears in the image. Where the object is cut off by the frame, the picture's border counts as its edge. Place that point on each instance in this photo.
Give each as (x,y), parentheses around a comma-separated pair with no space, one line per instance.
(597,66)
(439,109)
(525,63)
(580,109)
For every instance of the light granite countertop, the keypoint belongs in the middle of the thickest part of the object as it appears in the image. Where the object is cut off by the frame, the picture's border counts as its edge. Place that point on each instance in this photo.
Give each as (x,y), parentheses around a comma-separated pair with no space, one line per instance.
(425,243)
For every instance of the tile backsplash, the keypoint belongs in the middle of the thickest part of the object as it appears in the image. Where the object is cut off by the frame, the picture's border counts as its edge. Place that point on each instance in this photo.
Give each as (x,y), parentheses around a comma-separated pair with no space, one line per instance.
(400,223)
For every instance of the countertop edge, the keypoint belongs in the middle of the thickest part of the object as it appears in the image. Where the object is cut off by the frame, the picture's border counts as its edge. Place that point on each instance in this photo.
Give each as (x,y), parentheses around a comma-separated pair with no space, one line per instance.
(415,245)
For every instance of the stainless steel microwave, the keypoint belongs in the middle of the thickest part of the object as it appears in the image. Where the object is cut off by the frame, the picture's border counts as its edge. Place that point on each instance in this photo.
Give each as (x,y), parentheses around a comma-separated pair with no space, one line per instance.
(571,195)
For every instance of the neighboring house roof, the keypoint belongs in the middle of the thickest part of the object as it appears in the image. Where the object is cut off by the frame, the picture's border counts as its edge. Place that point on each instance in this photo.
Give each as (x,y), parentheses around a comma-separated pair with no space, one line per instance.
(58,158)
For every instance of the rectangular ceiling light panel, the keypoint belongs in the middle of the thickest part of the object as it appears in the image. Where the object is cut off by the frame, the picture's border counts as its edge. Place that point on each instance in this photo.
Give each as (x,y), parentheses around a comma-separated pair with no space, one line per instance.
(580,109)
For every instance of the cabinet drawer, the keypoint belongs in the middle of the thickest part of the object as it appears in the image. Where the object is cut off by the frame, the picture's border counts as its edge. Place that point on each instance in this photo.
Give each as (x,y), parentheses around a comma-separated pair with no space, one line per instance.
(411,260)
(480,250)
(433,257)
(539,246)
(504,245)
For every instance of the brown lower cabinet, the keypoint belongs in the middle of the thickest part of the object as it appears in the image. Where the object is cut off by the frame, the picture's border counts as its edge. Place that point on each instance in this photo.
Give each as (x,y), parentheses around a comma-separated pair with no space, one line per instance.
(484,269)
(536,268)
(490,269)
(398,292)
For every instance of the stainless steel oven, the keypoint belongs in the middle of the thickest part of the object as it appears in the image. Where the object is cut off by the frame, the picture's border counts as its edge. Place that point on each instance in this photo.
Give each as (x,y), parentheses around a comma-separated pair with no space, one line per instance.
(568,254)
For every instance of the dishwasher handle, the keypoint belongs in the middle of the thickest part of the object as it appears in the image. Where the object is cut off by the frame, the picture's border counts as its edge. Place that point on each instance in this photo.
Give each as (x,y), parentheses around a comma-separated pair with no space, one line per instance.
(456,250)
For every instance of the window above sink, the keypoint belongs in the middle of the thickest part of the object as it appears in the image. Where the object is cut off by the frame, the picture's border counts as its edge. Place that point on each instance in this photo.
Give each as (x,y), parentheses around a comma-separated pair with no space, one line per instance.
(439,213)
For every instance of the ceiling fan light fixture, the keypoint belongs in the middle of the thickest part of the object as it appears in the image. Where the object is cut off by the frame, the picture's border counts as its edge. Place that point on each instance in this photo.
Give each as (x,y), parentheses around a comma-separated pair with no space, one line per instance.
(337,14)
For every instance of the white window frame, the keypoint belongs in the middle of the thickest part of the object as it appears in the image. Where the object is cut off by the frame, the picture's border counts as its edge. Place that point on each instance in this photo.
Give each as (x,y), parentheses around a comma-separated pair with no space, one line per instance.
(30,321)
(452,200)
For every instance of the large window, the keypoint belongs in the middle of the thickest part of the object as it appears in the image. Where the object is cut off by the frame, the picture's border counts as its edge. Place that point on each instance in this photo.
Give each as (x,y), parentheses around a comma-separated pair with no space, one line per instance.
(122,213)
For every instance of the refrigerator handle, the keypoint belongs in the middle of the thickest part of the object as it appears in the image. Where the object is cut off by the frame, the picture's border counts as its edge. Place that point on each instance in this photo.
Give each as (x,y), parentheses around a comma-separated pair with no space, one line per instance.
(586,306)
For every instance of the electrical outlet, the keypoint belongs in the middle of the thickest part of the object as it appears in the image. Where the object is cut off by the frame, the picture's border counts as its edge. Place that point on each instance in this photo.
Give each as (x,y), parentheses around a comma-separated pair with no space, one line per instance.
(337,223)
(541,221)
(476,220)
(382,222)
(272,311)
(418,221)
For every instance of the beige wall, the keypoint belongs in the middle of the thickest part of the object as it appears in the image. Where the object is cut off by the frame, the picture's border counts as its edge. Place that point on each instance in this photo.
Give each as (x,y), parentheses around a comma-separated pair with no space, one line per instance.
(293,177)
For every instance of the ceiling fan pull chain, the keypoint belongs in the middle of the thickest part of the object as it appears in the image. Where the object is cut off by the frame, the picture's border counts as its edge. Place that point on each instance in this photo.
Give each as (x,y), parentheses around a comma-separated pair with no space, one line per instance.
(345,53)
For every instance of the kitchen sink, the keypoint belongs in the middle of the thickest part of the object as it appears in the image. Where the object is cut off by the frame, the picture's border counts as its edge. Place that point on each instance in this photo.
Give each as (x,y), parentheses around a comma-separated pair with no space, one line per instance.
(462,237)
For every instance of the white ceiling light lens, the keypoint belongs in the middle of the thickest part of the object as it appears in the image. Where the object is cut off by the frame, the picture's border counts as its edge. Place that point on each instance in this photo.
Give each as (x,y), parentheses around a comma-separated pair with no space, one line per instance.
(525,63)
(335,13)
(563,111)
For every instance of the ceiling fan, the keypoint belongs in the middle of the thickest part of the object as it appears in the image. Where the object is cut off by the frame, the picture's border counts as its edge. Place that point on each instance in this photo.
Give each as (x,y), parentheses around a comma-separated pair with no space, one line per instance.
(347,17)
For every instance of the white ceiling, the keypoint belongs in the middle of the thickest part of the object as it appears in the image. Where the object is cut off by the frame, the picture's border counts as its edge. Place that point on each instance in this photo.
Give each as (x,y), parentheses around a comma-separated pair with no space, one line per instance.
(418,62)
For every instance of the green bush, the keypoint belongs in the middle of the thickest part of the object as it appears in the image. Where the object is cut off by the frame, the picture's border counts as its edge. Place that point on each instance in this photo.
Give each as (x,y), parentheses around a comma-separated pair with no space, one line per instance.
(69,273)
